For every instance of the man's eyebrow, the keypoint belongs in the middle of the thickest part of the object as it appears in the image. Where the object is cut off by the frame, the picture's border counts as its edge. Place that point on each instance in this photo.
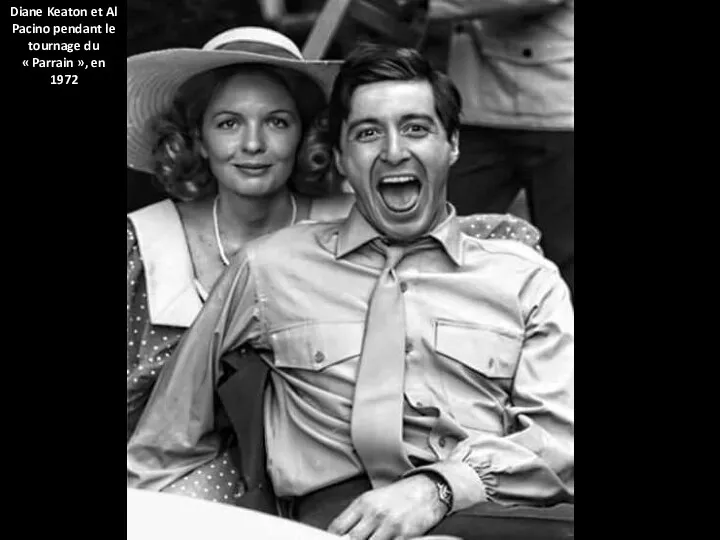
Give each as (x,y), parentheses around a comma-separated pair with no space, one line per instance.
(414,116)
(404,118)
(367,120)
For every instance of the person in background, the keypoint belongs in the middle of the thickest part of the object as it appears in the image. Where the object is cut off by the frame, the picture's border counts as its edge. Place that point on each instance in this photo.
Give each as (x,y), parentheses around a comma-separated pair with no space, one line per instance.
(514,64)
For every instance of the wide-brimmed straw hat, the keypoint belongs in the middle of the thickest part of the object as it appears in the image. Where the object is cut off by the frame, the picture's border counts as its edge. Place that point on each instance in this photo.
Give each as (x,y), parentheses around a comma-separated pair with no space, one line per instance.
(153,78)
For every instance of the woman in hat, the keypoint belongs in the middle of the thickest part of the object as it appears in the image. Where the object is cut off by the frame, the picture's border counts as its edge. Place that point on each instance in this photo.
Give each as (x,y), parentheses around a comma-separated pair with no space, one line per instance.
(222,131)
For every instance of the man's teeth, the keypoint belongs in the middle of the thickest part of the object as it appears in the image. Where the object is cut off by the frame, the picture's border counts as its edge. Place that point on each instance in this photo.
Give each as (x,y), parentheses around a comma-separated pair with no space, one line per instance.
(397,179)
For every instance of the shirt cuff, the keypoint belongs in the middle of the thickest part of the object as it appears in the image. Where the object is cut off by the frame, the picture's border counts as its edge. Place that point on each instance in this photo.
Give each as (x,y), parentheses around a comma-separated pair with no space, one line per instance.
(467,487)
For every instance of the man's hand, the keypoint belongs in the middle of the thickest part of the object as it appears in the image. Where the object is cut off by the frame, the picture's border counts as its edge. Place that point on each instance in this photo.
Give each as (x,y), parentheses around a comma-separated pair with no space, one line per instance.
(405,509)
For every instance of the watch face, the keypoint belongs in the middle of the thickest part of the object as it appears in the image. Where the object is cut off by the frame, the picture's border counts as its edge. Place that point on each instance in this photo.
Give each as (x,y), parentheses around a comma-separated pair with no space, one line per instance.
(444,493)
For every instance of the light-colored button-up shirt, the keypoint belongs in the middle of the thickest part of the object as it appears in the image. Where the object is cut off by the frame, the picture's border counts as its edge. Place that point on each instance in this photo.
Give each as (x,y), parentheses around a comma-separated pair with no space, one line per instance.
(489,364)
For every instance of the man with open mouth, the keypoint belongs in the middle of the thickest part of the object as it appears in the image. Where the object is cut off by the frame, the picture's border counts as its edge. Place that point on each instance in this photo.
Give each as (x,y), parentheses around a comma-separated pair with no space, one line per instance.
(396,150)
(421,381)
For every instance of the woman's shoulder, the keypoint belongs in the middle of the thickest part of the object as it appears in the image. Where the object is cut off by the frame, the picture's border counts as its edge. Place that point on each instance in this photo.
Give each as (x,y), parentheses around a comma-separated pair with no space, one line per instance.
(501,227)
(159,212)
(149,222)
(331,207)
(153,225)
(157,233)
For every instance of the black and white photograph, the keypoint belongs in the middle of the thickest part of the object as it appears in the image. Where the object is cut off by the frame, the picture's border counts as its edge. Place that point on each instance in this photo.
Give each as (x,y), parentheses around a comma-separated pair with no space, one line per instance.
(350,269)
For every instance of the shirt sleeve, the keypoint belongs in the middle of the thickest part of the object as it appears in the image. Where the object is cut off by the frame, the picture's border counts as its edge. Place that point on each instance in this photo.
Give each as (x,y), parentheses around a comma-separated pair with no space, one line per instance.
(534,462)
(475,9)
(176,433)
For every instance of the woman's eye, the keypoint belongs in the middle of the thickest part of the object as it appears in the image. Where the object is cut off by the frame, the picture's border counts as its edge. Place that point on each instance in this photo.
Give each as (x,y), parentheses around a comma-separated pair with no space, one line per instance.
(279,123)
(228,124)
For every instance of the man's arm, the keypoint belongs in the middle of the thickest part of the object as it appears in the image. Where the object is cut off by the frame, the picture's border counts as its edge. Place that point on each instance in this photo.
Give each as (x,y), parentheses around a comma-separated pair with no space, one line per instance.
(534,463)
(176,433)
(475,9)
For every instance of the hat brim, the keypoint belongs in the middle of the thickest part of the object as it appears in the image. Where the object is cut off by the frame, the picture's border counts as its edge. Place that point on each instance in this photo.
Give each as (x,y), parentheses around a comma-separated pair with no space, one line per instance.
(153,79)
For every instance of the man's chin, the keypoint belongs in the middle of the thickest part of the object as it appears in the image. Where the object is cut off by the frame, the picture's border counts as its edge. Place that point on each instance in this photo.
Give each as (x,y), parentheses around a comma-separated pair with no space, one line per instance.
(399,226)
(403,231)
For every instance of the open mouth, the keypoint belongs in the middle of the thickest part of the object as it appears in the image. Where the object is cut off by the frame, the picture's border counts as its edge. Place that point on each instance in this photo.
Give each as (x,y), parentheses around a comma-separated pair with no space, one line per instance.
(400,193)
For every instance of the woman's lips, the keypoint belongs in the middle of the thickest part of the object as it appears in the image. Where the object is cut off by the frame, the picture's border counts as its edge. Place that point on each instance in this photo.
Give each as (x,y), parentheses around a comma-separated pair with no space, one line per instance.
(252,169)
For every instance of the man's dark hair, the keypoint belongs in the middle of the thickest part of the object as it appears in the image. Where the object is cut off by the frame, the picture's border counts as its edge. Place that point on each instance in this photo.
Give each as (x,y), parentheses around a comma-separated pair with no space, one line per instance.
(371,63)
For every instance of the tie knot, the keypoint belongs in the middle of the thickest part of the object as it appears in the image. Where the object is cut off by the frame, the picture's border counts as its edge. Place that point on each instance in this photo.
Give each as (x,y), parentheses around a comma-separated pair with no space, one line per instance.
(394,253)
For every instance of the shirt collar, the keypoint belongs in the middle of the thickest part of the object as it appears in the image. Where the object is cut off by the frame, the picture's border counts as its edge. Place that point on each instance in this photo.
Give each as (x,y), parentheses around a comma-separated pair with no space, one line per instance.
(355,231)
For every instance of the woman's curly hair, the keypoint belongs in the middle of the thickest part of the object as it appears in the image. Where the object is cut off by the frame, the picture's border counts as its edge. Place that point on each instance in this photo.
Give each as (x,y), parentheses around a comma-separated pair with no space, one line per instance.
(315,172)
(185,175)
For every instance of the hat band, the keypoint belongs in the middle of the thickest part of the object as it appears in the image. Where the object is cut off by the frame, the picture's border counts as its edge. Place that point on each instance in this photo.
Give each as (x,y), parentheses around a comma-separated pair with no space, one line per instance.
(258,48)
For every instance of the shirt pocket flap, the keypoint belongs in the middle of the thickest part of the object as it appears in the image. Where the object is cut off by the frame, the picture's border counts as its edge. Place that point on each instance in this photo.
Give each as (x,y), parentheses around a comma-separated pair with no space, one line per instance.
(491,351)
(316,346)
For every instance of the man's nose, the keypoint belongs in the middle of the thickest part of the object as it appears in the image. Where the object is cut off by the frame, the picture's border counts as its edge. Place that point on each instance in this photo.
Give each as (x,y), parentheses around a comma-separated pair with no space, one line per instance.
(394,151)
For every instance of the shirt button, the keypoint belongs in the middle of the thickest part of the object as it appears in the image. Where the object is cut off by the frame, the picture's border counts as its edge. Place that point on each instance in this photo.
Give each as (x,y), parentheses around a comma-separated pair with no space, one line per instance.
(319,357)
(403,286)
(442,441)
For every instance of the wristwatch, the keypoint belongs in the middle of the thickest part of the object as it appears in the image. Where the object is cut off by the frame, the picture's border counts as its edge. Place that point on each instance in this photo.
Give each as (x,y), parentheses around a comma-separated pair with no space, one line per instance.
(444,492)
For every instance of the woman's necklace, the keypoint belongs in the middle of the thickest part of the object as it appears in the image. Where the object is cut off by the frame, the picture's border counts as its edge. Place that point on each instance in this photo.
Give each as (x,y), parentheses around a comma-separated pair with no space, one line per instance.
(223,256)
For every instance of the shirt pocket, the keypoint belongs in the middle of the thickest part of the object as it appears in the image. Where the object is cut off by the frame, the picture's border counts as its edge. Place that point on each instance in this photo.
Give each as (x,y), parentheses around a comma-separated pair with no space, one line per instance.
(477,375)
(528,73)
(317,346)
(530,53)
(486,350)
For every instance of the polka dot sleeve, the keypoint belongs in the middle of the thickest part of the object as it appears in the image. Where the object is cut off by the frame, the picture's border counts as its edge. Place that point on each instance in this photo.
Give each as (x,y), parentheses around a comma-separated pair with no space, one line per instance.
(501,226)
(148,348)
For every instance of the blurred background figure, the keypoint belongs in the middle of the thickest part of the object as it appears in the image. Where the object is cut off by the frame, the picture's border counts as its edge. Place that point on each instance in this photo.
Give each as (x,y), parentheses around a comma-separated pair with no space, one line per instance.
(514,64)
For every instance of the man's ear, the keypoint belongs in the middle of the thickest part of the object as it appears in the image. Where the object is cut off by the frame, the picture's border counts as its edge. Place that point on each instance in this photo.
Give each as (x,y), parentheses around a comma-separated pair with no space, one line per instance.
(338,162)
(454,147)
